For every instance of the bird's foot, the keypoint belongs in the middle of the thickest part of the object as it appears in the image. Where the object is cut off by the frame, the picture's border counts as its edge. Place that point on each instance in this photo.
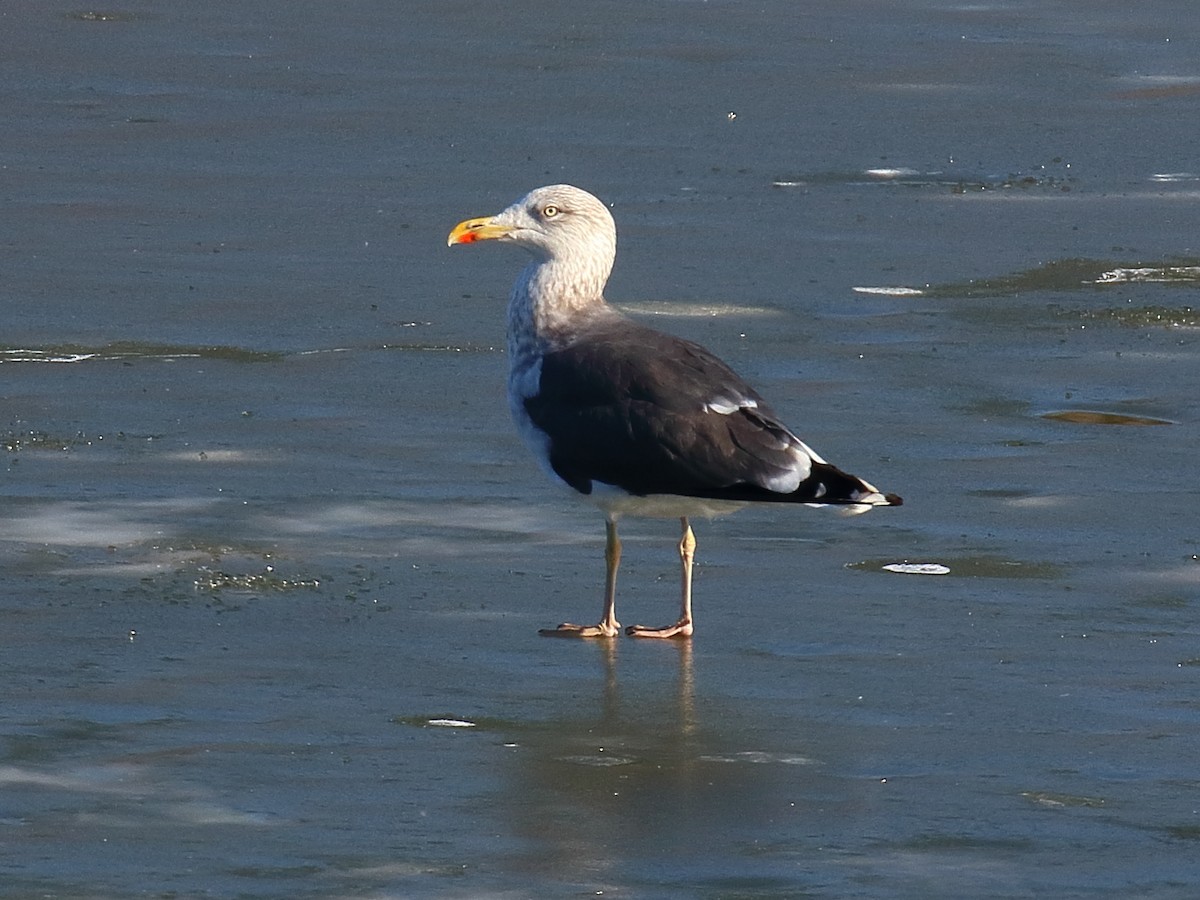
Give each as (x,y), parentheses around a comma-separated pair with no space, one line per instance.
(681,629)
(567,629)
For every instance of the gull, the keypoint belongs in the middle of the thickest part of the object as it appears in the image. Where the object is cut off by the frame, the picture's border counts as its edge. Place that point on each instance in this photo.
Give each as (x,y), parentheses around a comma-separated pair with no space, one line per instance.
(636,421)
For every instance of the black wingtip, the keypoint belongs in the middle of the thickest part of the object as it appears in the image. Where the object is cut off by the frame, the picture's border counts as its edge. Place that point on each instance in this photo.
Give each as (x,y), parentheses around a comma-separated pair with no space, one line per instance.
(893,499)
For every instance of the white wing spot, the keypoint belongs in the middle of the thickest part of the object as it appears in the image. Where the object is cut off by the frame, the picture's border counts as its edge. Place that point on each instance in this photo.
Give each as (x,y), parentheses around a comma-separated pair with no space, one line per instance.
(728,405)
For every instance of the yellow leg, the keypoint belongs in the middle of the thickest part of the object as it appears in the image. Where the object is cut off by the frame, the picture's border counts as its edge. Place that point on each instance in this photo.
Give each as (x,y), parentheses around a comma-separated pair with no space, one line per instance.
(682,628)
(608,625)
(612,561)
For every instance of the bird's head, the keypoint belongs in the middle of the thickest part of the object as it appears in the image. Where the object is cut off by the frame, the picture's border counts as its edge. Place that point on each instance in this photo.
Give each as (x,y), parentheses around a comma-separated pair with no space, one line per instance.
(554,223)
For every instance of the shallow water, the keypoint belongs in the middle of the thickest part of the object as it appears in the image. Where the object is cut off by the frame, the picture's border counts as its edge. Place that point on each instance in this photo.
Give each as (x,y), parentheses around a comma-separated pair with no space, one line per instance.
(274,561)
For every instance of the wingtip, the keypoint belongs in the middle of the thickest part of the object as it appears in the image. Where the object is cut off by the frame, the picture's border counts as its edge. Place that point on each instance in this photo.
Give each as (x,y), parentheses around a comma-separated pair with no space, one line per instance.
(893,499)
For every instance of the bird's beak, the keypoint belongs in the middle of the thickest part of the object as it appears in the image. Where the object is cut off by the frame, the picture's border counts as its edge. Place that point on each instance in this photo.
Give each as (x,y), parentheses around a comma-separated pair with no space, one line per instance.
(483,229)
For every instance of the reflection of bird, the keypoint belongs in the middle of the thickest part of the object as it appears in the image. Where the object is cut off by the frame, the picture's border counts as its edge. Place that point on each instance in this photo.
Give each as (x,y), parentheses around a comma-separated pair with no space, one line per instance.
(637,421)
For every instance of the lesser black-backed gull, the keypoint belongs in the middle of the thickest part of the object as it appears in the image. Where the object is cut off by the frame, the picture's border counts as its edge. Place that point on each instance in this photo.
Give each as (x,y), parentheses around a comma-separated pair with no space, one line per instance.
(637,421)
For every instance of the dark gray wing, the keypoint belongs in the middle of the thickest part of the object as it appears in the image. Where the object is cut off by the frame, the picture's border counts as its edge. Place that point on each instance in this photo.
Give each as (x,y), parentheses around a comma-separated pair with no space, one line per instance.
(653,414)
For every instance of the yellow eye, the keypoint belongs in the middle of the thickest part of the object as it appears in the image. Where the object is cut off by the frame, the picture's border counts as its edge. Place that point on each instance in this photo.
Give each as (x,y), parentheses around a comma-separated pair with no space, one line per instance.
(549,212)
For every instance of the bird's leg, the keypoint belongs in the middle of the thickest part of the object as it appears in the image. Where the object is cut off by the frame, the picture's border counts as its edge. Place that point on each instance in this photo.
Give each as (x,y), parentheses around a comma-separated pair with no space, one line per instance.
(608,625)
(682,628)
(612,561)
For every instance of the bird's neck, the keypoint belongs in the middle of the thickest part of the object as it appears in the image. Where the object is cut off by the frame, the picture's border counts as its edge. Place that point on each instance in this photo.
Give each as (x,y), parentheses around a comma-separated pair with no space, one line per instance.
(551,301)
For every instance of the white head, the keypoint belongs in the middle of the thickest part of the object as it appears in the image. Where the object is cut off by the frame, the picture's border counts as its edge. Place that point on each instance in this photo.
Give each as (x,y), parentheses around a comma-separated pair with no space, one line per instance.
(560,225)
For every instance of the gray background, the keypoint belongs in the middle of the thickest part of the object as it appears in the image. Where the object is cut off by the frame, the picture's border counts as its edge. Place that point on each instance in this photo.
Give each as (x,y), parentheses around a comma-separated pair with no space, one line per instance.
(264,516)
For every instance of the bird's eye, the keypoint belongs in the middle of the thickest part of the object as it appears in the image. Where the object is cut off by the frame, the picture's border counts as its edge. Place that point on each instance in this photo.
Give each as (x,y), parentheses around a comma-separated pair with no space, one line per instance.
(549,212)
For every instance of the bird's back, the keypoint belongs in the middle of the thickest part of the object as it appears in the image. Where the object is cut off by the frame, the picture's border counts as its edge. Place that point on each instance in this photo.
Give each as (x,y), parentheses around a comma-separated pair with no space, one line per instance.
(628,406)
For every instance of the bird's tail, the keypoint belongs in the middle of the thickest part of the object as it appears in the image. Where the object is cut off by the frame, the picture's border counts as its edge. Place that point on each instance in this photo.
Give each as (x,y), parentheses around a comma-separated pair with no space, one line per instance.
(830,486)
(826,485)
